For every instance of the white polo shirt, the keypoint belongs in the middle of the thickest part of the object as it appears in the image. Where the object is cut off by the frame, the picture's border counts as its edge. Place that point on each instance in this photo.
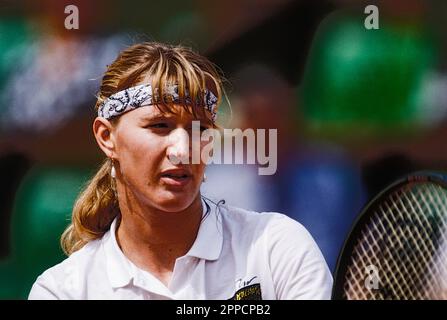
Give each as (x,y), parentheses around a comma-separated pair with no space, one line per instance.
(237,254)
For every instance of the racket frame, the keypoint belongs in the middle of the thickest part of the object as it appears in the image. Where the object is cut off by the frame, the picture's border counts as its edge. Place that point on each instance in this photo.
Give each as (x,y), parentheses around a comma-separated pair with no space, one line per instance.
(371,207)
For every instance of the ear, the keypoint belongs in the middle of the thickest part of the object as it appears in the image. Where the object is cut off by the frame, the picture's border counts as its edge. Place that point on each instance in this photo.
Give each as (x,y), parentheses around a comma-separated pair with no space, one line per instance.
(103,131)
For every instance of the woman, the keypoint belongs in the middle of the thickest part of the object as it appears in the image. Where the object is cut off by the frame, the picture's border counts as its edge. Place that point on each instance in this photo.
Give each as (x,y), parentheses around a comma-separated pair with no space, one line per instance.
(142,230)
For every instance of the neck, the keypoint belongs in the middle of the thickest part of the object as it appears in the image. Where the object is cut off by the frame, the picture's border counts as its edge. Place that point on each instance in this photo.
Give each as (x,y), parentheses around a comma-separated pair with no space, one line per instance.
(153,239)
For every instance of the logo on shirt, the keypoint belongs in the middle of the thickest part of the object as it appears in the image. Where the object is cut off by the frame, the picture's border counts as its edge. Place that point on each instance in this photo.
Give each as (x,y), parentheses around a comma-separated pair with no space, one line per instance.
(247,289)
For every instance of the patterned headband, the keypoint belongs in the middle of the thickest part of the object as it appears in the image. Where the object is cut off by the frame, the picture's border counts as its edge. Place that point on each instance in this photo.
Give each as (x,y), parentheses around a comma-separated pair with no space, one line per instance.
(141,95)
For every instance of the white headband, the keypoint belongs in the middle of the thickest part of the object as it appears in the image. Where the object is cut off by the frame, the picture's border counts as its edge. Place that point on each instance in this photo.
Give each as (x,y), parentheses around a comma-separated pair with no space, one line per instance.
(141,95)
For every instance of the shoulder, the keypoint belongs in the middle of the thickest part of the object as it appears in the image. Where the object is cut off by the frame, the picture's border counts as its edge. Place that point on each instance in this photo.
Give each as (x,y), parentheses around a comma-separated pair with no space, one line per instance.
(64,280)
(271,225)
(268,232)
(296,264)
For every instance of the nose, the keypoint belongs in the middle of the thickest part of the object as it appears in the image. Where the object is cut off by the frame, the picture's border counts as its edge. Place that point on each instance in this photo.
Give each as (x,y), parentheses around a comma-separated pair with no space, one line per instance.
(178,150)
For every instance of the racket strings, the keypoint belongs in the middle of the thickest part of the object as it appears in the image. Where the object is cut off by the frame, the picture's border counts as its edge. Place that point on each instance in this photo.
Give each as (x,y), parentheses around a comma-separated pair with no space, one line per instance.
(405,241)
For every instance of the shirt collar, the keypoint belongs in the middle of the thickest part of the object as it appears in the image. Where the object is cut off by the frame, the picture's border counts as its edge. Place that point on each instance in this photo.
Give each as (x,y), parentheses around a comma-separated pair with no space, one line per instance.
(209,240)
(208,246)
(118,266)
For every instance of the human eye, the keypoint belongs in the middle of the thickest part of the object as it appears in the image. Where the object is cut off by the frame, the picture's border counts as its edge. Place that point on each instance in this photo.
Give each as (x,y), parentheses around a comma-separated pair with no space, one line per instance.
(158,125)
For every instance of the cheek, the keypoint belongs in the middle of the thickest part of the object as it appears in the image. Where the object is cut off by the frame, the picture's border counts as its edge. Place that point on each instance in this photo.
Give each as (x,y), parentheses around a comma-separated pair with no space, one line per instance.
(139,153)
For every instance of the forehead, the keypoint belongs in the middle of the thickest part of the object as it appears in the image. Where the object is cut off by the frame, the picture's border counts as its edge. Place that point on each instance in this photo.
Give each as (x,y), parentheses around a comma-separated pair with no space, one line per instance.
(174,112)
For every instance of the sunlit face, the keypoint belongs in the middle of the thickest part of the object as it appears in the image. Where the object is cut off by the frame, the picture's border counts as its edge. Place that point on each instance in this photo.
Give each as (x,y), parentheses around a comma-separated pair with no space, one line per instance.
(147,142)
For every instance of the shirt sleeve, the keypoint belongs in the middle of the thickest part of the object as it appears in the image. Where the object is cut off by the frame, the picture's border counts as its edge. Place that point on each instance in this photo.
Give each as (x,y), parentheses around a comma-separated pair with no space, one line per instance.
(43,289)
(298,268)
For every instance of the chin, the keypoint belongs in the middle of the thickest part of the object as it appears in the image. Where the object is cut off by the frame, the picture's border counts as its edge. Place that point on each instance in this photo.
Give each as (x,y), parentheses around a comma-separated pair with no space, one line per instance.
(174,201)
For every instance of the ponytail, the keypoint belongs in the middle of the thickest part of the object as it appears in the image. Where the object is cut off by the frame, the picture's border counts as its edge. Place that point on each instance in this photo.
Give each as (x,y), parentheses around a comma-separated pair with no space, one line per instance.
(93,212)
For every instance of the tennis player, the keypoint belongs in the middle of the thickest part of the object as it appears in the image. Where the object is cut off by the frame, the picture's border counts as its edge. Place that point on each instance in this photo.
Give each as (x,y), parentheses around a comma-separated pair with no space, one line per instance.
(142,230)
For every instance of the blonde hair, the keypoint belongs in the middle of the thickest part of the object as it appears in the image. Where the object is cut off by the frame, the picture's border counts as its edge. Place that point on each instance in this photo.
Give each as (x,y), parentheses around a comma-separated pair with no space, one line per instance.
(97,205)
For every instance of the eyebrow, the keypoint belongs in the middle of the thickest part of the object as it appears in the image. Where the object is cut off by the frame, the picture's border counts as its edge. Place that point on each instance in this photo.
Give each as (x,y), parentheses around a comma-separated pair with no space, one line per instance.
(168,117)
(155,118)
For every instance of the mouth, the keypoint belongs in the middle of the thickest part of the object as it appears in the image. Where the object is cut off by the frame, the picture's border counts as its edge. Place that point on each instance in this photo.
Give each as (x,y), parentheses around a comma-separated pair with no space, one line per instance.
(177,178)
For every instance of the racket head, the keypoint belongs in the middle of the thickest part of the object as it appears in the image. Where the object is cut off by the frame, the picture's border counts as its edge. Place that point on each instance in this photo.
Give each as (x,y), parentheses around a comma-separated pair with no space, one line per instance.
(400,235)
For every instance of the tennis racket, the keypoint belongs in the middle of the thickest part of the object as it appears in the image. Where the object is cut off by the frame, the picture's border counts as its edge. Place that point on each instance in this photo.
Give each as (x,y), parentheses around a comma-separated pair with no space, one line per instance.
(397,248)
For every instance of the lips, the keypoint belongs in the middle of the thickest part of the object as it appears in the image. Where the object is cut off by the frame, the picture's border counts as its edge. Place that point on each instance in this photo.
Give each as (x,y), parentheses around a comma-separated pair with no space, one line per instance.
(176,177)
